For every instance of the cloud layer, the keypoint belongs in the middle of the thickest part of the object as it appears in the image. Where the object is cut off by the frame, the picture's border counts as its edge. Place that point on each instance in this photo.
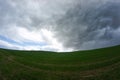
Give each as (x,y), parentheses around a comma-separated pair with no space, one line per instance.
(59,25)
(89,25)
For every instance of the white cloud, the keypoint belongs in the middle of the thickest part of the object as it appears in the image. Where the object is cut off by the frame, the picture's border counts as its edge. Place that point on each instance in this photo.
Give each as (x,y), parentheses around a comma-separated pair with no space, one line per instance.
(4,43)
(29,21)
(25,34)
(33,21)
(22,34)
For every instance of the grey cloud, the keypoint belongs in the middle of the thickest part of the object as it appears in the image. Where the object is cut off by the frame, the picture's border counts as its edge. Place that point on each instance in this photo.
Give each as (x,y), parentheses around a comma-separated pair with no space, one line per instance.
(90,24)
(31,14)
(19,18)
(5,12)
(78,24)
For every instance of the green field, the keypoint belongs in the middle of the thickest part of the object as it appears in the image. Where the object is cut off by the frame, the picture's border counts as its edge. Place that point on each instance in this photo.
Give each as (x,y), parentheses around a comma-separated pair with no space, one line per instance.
(99,64)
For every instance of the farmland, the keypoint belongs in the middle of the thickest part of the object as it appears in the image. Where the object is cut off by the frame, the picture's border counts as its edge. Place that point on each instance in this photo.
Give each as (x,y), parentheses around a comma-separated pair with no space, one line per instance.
(99,64)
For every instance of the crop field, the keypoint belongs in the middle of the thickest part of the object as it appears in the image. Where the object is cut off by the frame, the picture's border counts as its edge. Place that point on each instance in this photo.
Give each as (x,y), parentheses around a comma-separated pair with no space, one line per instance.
(99,64)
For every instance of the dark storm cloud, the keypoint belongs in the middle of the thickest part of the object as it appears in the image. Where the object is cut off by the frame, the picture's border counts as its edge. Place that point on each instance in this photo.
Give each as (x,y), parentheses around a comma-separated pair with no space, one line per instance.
(90,24)
(63,24)
(31,21)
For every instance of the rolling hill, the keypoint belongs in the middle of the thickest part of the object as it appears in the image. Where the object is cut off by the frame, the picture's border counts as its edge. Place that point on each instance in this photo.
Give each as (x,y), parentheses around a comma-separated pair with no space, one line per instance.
(99,64)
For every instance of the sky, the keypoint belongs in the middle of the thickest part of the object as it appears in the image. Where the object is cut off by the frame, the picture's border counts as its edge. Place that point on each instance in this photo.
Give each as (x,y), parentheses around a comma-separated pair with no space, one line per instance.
(59,25)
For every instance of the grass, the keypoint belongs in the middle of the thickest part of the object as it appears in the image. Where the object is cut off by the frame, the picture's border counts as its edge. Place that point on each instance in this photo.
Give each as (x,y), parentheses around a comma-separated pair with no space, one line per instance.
(99,64)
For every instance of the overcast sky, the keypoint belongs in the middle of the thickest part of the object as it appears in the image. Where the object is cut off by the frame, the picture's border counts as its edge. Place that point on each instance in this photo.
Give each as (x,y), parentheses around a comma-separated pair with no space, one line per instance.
(59,25)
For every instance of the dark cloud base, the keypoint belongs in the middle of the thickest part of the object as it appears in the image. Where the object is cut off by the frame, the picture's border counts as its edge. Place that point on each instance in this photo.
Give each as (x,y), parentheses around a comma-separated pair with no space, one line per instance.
(76,24)
(89,25)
